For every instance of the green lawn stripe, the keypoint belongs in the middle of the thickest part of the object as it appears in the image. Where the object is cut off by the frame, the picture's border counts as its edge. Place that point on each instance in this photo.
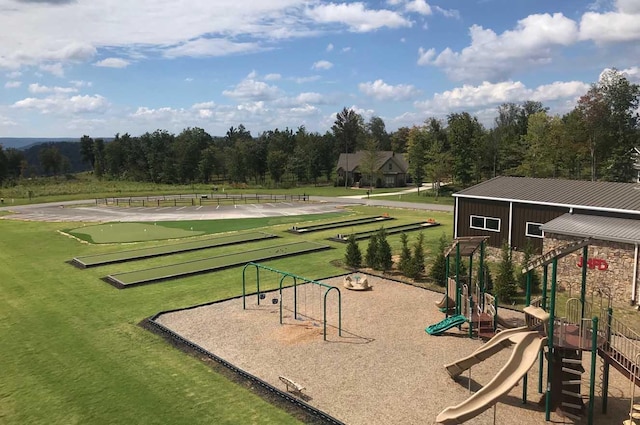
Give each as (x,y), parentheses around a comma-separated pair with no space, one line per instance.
(213,263)
(337,224)
(388,231)
(156,251)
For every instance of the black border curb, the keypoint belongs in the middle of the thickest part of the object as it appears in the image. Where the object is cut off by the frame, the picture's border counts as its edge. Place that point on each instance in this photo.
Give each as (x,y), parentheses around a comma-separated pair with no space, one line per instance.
(388,230)
(338,224)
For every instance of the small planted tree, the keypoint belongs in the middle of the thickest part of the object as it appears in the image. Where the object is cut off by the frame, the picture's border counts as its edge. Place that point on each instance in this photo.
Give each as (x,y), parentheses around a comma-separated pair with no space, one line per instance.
(370,258)
(522,277)
(505,285)
(416,265)
(488,279)
(405,254)
(353,256)
(438,270)
(384,259)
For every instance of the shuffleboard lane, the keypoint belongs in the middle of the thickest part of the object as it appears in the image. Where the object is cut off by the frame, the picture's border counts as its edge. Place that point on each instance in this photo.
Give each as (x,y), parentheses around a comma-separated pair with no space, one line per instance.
(388,230)
(206,265)
(338,224)
(157,251)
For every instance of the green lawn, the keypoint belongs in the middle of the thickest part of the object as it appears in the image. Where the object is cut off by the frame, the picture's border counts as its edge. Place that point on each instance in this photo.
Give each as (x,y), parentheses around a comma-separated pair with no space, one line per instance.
(159,250)
(72,351)
(212,263)
(150,231)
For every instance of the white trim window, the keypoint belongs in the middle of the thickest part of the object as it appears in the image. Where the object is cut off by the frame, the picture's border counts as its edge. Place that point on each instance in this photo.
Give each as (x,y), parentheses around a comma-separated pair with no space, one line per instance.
(479,222)
(534,230)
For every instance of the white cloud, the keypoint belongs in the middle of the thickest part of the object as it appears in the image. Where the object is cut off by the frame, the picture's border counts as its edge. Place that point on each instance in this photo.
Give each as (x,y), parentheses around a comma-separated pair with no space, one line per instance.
(616,26)
(425,56)
(322,64)
(60,104)
(203,47)
(310,97)
(113,63)
(252,89)
(54,68)
(357,17)
(309,79)
(329,47)
(419,6)
(448,13)
(204,105)
(489,94)
(81,83)
(494,57)
(632,74)
(14,74)
(346,49)
(12,84)
(383,91)
(7,122)
(272,77)
(76,31)
(38,89)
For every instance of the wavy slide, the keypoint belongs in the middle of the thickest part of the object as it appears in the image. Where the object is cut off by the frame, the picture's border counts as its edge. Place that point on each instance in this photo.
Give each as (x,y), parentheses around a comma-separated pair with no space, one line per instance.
(523,357)
(446,324)
(500,341)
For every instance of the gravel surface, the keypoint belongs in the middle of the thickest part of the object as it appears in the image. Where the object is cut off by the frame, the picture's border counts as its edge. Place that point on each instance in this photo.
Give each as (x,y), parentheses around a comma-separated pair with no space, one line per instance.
(384,369)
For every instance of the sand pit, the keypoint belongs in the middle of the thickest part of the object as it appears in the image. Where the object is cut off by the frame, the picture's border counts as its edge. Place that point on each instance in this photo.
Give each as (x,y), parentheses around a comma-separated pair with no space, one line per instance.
(384,369)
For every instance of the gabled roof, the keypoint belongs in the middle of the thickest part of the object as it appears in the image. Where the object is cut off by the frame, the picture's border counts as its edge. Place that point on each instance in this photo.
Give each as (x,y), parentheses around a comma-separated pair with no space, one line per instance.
(353,160)
(594,226)
(598,196)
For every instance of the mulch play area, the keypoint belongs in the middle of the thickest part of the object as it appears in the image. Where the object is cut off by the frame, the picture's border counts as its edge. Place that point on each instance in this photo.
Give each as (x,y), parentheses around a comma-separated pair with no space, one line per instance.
(384,369)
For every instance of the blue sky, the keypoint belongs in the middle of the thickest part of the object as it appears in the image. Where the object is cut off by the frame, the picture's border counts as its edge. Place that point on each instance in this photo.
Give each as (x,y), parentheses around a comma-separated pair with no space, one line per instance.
(74,67)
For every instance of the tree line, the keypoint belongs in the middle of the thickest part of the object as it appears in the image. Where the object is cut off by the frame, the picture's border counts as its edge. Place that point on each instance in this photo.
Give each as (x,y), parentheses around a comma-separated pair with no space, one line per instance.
(595,140)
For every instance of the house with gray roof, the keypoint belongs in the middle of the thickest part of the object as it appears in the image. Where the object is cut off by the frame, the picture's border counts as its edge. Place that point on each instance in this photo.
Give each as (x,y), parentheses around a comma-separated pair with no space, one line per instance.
(390,169)
(547,213)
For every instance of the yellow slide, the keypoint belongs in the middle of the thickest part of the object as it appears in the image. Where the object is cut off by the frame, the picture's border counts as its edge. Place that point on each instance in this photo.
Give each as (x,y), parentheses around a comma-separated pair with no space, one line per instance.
(523,357)
(497,343)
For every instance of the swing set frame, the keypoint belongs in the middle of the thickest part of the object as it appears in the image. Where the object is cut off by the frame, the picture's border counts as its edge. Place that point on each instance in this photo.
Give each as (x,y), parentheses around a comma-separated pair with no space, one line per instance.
(296,278)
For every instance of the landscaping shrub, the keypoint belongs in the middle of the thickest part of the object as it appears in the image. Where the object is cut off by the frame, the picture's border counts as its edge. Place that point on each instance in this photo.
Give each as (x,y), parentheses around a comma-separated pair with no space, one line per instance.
(505,285)
(438,270)
(353,256)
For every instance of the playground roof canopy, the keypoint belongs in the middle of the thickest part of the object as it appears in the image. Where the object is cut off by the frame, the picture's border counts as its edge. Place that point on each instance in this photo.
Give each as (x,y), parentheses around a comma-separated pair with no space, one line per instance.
(468,245)
(605,228)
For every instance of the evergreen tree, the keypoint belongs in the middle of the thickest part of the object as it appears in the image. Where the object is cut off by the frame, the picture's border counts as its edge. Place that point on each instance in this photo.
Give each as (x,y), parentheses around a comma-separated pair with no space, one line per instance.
(438,269)
(371,257)
(384,261)
(505,285)
(488,279)
(416,265)
(522,278)
(405,254)
(353,256)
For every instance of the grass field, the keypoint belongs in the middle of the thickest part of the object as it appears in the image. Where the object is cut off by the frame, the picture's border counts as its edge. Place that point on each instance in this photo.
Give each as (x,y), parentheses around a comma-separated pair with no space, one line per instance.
(73,353)
(140,232)
(159,250)
(213,263)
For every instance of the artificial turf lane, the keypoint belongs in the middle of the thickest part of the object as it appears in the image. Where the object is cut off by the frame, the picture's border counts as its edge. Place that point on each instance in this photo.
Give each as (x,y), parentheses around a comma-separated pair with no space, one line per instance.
(172,271)
(338,224)
(156,251)
(388,230)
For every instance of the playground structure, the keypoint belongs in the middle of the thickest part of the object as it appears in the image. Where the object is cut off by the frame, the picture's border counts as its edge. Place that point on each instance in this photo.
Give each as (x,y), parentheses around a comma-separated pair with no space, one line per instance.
(583,329)
(296,299)
(466,300)
(356,283)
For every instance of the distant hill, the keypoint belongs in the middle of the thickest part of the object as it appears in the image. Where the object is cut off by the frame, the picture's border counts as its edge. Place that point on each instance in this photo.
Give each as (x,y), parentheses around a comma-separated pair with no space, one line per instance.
(71,150)
(25,142)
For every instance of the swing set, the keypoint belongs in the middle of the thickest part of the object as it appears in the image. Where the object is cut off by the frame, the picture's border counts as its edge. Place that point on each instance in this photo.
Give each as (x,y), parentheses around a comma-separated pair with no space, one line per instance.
(297,280)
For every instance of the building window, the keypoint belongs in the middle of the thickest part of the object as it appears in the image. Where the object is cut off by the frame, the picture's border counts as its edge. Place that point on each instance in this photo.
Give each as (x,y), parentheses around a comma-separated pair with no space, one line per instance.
(485,223)
(390,166)
(534,230)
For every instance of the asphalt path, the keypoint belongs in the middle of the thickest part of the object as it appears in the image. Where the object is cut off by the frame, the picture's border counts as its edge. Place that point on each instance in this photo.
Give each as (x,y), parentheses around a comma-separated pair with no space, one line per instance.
(88,211)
